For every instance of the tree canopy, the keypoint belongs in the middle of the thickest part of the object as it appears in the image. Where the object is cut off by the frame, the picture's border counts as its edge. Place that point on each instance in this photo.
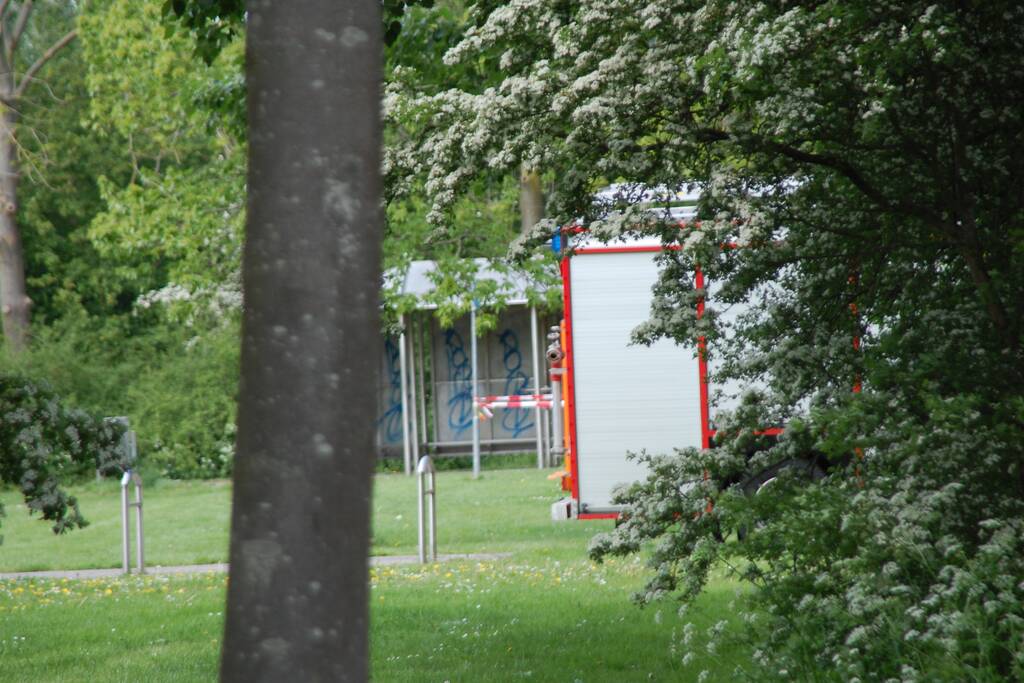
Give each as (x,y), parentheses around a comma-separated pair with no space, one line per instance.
(860,158)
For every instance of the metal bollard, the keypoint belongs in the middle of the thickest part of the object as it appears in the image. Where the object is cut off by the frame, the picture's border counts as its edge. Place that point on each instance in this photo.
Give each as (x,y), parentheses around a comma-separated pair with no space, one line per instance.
(140,566)
(557,438)
(425,469)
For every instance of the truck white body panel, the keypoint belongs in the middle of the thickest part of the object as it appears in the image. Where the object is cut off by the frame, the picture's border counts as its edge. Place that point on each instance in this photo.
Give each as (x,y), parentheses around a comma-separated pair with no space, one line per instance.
(627,397)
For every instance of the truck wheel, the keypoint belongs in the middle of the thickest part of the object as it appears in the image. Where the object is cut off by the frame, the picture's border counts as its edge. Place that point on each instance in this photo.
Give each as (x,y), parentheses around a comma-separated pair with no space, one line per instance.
(806,468)
(756,483)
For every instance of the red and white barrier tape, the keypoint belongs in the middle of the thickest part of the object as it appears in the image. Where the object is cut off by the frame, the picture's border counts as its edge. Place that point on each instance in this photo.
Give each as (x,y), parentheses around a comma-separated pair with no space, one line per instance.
(486,403)
(512,398)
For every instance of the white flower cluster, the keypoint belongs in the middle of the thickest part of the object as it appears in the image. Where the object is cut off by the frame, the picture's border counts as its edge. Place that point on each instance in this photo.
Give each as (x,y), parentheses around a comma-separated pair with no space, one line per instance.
(860,194)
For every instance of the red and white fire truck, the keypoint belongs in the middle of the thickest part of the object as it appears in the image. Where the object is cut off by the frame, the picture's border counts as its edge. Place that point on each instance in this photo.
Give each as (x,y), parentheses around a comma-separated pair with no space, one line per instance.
(621,397)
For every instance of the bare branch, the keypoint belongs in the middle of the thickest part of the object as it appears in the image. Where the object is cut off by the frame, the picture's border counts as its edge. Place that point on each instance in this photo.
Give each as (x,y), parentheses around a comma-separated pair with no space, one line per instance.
(19,28)
(854,175)
(962,233)
(41,62)
(851,172)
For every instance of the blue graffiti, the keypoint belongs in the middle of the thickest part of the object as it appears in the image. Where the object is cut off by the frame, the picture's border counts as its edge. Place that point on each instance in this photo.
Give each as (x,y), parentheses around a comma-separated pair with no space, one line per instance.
(460,404)
(517,420)
(391,420)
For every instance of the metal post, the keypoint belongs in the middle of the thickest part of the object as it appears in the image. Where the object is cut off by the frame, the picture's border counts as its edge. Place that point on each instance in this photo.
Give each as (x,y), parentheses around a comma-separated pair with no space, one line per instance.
(403,370)
(476,417)
(545,422)
(536,385)
(126,539)
(427,518)
(130,477)
(546,419)
(423,382)
(410,398)
(140,560)
(435,384)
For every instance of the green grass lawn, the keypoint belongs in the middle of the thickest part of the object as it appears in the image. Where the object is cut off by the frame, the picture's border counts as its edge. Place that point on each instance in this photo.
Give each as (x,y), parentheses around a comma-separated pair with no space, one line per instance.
(187,522)
(545,614)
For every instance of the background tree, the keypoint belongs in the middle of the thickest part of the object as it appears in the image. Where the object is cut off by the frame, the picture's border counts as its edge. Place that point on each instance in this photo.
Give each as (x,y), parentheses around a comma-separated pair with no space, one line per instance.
(174,225)
(30,41)
(860,156)
(132,215)
(62,162)
(297,600)
(417,34)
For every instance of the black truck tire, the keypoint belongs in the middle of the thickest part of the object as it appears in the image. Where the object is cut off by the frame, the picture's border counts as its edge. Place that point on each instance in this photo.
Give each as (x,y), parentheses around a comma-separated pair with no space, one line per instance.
(753,484)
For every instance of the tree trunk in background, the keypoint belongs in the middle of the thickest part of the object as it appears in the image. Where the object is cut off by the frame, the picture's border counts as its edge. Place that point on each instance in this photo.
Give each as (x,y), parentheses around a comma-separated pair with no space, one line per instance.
(531,199)
(15,306)
(297,606)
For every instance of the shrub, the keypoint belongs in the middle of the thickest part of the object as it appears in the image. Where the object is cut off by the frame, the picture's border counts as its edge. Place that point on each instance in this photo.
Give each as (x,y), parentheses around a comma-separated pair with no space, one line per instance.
(185,407)
(905,565)
(42,440)
(177,384)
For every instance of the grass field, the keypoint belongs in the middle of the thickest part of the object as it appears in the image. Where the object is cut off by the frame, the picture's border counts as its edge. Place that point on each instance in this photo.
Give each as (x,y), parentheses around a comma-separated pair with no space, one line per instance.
(545,614)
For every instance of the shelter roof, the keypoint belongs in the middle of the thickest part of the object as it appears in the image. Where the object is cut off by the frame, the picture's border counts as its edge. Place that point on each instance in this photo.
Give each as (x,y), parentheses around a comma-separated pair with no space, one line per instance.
(419,281)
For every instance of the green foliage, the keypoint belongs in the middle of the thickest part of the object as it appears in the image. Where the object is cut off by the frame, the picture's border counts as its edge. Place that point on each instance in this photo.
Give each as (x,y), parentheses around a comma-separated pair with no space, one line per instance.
(59,195)
(176,381)
(134,207)
(174,228)
(185,407)
(858,157)
(479,224)
(141,84)
(905,565)
(184,229)
(43,440)
(214,24)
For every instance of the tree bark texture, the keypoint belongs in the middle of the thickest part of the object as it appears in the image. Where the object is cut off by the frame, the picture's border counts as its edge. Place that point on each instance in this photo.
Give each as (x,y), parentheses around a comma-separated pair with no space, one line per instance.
(298,592)
(531,199)
(15,305)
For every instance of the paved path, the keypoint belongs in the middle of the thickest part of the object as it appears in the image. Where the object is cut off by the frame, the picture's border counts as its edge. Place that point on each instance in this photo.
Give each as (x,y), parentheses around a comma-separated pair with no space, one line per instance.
(376,561)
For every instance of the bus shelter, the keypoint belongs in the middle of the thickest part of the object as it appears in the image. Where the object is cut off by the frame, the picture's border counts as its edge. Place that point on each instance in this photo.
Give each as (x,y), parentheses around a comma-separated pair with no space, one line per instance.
(433,375)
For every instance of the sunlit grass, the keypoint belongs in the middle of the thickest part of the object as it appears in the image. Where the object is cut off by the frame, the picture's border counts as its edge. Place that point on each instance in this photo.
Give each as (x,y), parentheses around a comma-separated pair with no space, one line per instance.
(188,522)
(462,621)
(546,613)
(134,629)
(185,523)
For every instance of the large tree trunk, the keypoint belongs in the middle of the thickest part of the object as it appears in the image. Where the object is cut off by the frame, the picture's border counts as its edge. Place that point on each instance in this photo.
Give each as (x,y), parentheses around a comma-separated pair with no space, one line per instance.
(15,306)
(298,595)
(531,199)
